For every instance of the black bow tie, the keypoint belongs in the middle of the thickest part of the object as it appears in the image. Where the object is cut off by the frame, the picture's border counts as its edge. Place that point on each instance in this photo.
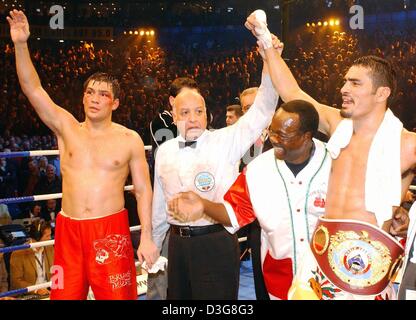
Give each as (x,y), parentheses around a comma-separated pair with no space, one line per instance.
(185,144)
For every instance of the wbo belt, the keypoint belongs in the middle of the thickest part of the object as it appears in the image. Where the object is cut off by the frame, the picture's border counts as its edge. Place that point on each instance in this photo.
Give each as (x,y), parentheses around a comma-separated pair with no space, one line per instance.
(189,231)
(355,256)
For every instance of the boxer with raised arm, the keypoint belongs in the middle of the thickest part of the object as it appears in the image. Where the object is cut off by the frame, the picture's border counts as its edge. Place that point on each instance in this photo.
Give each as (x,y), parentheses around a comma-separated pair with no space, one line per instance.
(373,158)
(92,237)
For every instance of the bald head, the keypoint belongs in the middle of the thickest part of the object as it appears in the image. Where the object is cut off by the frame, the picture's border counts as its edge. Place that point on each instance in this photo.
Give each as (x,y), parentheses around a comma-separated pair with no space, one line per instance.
(188,97)
(189,114)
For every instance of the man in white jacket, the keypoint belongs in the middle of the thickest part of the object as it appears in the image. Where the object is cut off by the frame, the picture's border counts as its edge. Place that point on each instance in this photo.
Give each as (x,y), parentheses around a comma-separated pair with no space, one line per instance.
(284,188)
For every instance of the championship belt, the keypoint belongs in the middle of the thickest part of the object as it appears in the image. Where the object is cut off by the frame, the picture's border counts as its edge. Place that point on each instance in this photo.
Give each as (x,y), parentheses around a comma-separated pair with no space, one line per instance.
(357,257)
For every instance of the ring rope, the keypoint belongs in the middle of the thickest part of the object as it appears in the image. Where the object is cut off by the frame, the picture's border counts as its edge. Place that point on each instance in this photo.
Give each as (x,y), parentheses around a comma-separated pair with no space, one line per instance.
(37,287)
(43,243)
(39,153)
(43,197)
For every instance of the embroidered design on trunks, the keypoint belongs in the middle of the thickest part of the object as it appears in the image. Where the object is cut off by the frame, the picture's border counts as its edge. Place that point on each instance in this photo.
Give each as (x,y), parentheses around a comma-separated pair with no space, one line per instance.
(112,248)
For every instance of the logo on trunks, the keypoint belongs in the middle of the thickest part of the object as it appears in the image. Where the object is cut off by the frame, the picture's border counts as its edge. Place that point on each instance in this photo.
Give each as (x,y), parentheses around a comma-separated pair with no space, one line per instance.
(204,181)
(120,280)
(112,248)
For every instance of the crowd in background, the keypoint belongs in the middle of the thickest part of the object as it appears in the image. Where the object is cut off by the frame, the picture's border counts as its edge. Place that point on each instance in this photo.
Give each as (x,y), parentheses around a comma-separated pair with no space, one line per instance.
(318,58)
(319,61)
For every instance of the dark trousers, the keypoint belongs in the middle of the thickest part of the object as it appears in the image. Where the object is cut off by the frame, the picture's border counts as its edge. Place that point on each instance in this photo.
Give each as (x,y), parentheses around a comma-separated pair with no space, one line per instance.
(254,241)
(203,267)
(409,277)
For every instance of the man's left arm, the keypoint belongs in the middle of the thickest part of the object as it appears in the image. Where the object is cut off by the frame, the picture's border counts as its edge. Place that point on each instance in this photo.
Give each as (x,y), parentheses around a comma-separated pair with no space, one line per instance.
(400,219)
(143,192)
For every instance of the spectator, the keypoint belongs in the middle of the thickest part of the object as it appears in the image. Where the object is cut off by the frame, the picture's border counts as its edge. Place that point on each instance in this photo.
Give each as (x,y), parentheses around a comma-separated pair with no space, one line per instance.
(234,112)
(49,183)
(50,211)
(4,285)
(30,178)
(5,217)
(43,165)
(32,266)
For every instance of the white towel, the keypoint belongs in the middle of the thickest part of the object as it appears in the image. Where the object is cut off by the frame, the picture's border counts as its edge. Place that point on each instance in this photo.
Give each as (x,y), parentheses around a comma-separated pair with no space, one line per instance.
(383,177)
(160,264)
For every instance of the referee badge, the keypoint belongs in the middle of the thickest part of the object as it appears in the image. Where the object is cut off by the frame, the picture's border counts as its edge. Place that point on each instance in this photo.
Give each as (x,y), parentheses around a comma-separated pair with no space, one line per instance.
(204,181)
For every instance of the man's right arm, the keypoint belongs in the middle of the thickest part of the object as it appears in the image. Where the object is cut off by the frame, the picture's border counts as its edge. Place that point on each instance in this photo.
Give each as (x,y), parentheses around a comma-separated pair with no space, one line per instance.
(288,89)
(286,85)
(51,114)
(234,213)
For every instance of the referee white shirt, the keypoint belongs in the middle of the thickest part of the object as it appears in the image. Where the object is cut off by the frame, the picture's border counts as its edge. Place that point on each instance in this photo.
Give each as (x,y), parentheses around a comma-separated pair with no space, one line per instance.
(208,168)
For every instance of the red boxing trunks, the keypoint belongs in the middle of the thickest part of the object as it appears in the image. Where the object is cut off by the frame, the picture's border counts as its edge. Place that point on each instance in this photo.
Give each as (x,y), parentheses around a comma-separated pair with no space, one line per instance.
(94,252)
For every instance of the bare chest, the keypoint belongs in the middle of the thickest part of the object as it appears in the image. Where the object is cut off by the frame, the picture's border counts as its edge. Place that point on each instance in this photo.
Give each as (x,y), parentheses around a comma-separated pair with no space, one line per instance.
(349,169)
(83,151)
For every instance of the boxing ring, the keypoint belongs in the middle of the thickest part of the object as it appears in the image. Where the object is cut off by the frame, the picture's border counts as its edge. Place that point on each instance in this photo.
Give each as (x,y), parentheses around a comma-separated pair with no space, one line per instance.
(141,279)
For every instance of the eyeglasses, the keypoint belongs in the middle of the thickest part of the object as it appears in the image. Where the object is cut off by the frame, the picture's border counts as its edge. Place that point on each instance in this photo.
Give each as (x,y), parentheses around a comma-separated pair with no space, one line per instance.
(283,137)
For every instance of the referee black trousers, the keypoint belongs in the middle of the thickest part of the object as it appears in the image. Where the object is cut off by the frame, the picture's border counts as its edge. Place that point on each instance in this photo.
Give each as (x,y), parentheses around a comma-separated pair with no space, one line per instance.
(203,267)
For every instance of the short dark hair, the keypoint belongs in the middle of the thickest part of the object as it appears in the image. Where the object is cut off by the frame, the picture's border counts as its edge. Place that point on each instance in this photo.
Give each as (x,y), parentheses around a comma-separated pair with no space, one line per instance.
(308,116)
(236,108)
(37,229)
(107,78)
(179,83)
(382,73)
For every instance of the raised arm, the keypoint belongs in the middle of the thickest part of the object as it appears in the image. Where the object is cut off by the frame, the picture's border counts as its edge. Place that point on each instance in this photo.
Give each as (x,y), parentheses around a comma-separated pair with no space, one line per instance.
(284,81)
(143,192)
(51,114)
(241,135)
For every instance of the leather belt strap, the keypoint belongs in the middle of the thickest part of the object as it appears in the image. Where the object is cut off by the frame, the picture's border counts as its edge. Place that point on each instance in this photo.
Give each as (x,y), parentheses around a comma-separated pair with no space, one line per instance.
(189,231)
